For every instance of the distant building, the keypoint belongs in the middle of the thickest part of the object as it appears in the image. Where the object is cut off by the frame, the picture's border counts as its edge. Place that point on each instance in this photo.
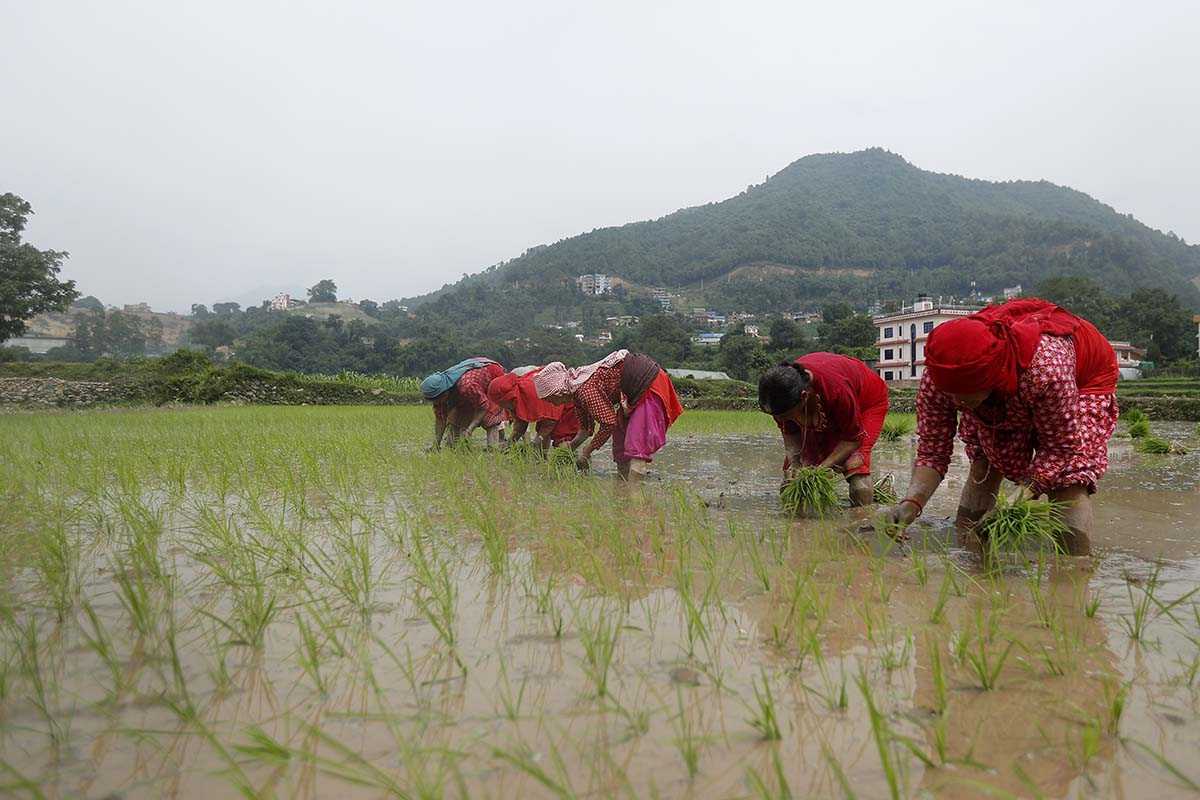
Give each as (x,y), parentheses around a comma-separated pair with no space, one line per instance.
(902,336)
(1012,291)
(594,284)
(623,321)
(604,336)
(35,343)
(1129,359)
(137,308)
(752,330)
(698,374)
(707,339)
(1196,319)
(661,297)
(281,302)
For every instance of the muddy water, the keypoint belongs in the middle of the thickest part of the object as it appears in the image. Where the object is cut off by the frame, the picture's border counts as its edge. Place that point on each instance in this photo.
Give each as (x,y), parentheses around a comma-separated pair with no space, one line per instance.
(709,606)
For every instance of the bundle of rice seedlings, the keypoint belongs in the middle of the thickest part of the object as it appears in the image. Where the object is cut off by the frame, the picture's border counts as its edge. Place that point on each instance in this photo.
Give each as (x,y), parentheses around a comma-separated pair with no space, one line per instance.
(1021,523)
(885,491)
(521,451)
(810,492)
(1154,445)
(562,461)
(1134,415)
(896,427)
(1139,428)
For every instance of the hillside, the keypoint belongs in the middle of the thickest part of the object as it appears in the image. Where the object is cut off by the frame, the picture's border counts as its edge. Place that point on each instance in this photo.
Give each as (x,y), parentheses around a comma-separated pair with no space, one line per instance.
(828,224)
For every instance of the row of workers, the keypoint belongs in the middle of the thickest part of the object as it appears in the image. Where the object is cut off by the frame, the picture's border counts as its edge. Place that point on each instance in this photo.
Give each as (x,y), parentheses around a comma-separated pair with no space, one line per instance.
(1028,387)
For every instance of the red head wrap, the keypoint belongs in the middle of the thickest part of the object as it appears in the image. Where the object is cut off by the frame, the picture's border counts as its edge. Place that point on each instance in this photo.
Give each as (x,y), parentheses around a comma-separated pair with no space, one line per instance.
(987,350)
(519,393)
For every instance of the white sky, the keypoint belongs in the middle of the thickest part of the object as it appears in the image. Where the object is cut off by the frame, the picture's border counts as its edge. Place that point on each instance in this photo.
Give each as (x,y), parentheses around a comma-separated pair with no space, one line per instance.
(194,152)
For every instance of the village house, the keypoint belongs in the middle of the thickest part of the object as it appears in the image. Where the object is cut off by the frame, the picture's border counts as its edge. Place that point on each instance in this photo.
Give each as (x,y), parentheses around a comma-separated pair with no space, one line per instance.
(595,284)
(707,339)
(902,336)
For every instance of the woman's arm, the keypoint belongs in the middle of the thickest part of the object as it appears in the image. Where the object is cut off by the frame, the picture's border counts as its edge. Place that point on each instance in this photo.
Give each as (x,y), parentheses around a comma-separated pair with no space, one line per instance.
(519,428)
(840,453)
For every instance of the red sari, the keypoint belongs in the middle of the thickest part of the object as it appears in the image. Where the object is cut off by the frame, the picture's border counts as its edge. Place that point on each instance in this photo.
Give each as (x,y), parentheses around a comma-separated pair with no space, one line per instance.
(852,404)
(459,405)
(559,423)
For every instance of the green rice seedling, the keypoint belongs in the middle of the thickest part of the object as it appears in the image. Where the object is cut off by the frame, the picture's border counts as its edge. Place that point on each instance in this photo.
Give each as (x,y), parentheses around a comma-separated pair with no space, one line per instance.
(1154,445)
(938,613)
(882,733)
(938,675)
(897,426)
(833,692)
(1139,429)
(1176,772)
(598,634)
(1020,523)
(985,664)
(885,491)
(752,547)
(764,718)
(1133,415)
(101,644)
(839,774)
(525,761)
(56,558)
(810,492)
(1139,619)
(686,740)
(1116,695)
(436,596)
(521,451)
(760,789)
(511,702)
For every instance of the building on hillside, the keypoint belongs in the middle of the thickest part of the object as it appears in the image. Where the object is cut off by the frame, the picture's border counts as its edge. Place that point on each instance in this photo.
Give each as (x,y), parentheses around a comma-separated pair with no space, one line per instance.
(623,321)
(604,337)
(752,330)
(1012,291)
(596,284)
(1196,319)
(137,308)
(902,336)
(1129,359)
(698,374)
(707,339)
(37,343)
(281,302)
(662,297)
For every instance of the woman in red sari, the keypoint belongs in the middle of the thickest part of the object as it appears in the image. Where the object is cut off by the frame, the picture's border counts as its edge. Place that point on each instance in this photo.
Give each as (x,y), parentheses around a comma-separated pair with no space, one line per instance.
(464,406)
(1031,391)
(626,396)
(830,409)
(515,393)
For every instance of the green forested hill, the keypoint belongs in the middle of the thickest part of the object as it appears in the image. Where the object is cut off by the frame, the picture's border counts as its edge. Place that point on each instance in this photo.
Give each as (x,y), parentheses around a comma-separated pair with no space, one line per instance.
(841,225)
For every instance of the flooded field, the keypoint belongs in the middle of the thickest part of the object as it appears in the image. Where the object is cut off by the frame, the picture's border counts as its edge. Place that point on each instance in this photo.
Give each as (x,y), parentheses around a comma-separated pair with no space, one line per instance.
(299,602)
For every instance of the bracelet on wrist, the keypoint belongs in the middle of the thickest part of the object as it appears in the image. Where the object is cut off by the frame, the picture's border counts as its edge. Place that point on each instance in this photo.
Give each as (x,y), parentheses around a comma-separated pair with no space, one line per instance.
(920,506)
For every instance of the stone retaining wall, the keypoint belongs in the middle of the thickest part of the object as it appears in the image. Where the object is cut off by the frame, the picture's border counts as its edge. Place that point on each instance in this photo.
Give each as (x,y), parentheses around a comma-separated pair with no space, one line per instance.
(54,392)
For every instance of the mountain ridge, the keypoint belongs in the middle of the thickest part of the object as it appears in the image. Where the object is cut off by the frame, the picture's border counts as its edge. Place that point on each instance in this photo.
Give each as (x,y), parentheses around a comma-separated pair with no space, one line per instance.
(871,211)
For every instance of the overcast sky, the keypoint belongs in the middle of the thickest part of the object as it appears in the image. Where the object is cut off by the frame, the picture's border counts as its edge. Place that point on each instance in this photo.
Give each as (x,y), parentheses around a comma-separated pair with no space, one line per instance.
(195,152)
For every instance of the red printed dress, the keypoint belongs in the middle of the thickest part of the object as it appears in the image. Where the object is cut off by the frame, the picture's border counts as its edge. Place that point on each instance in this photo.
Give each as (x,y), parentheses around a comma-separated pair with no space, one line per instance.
(596,401)
(852,402)
(1047,436)
(460,405)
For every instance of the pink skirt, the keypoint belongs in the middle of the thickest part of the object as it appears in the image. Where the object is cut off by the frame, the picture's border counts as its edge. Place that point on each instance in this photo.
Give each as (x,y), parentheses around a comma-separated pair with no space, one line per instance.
(643,434)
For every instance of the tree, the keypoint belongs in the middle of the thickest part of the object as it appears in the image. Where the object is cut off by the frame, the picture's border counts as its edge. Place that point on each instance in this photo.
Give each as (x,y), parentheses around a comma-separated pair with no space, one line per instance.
(89,303)
(844,331)
(226,309)
(325,291)
(28,277)
(1154,319)
(369,307)
(212,333)
(742,356)
(1081,297)
(785,335)
(199,310)
(663,338)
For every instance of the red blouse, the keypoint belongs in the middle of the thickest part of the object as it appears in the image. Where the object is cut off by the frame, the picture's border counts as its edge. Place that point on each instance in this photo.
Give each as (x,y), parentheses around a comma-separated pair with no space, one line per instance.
(846,387)
(596,401)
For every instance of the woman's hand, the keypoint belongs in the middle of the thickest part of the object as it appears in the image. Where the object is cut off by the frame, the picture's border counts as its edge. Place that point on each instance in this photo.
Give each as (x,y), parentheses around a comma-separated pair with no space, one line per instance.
(583,459)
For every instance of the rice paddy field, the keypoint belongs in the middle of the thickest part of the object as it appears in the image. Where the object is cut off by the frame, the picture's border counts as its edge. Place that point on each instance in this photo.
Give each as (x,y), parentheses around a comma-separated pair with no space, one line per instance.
(299,602)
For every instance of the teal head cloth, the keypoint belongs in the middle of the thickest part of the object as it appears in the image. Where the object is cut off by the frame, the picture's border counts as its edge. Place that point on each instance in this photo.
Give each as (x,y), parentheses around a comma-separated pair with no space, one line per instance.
(437,384)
